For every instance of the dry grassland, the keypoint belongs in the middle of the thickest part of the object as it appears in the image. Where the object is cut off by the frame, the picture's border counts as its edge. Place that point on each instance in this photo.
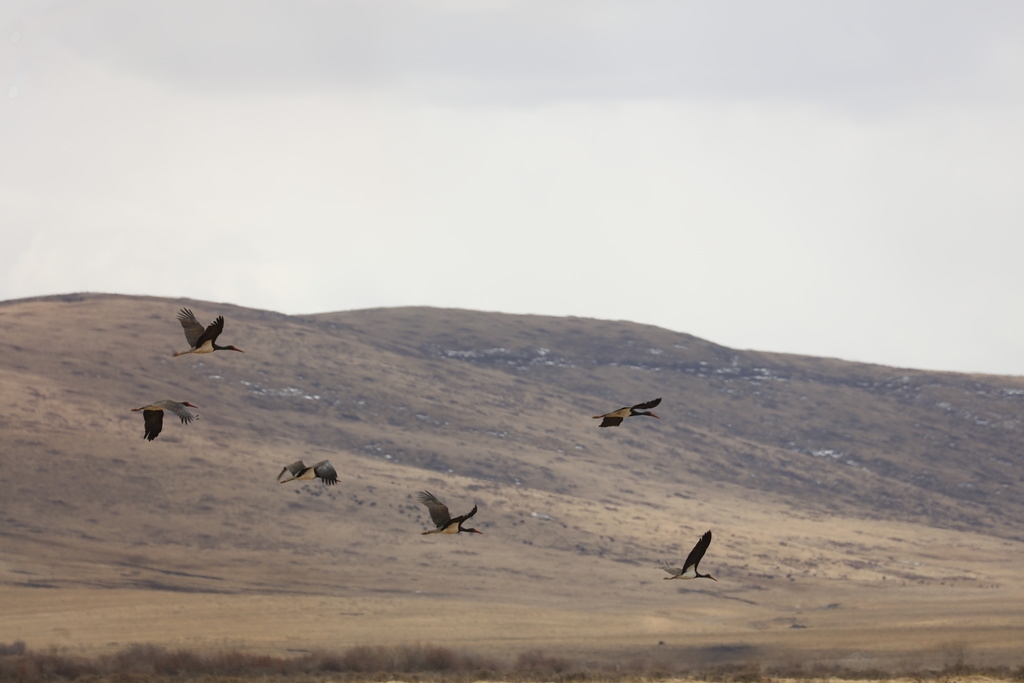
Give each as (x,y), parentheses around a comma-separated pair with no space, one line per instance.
(901,561)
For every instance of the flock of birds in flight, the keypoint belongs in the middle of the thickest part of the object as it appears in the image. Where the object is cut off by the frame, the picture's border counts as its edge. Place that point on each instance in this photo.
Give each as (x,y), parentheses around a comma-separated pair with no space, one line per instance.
(204,340)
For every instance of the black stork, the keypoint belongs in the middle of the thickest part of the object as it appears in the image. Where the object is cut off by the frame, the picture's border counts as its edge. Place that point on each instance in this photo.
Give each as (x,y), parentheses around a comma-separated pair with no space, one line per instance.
(202,340)
(445,523)
(689,570)
(153,415)
(615,418)
(323,470)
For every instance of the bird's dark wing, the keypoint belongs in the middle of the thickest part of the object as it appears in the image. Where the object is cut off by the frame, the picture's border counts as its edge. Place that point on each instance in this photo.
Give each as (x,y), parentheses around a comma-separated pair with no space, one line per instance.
(325,471)
(693,559)
(193,328)
(154,420)
(646,406)
(212,332)
(438,510)
(295,469)
(611,422)
(463,518)
(182,412)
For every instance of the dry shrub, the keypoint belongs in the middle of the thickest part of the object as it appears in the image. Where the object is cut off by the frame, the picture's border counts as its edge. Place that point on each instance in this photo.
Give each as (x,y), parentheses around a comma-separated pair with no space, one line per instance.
(432,658)
(147,663)
(749,672)
(403,659)
(362,659)
(40,666)
(149,660)
(236,663)
(331,663)
(537,662)
(638,667)
(139,662)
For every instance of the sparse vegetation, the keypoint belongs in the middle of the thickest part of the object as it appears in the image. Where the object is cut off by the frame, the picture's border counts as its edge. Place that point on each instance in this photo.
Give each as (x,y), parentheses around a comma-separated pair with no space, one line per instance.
(143,663)
(863,512)
(15,648)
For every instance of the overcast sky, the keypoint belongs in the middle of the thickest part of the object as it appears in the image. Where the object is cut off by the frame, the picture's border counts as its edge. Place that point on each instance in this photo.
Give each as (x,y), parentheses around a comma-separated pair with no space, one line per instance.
(830,178)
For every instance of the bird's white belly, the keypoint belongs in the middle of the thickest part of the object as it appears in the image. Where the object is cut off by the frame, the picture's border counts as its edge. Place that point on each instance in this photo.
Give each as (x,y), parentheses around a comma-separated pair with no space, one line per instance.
(452,529)
(207,347)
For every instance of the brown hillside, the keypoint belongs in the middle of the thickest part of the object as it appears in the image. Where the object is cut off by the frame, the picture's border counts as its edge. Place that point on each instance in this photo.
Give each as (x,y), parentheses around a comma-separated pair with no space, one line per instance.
(856,508)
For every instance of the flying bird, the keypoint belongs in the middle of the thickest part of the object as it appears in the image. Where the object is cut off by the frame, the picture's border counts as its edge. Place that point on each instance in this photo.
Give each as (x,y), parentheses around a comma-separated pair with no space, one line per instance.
(689,570)
(323,470)
(153,415)
(615,418)
(445,523)
(202,340)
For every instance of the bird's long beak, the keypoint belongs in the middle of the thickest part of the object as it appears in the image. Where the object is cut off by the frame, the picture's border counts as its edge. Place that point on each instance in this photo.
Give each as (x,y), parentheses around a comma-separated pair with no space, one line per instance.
(653,415)
(712,578)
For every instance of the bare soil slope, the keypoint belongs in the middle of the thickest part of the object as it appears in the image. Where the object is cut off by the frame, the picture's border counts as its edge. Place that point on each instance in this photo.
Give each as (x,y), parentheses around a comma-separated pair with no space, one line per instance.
(861,513)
